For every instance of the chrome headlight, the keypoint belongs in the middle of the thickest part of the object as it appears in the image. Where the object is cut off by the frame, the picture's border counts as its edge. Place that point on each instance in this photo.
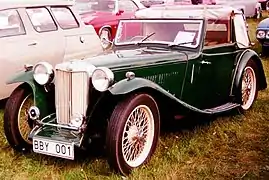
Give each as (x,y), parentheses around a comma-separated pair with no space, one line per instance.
(43,73)
(260,34)
(102,78)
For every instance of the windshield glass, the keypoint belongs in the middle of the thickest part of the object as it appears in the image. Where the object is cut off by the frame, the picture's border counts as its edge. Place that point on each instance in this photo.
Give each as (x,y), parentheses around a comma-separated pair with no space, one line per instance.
(171,32)
(83,6)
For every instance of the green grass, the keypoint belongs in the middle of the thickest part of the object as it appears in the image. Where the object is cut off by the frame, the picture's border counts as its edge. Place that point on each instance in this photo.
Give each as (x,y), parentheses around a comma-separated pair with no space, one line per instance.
(232,146)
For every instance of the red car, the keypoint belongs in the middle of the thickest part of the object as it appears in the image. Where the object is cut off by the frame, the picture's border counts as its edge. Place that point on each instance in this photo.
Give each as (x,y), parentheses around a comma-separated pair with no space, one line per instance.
(104,15)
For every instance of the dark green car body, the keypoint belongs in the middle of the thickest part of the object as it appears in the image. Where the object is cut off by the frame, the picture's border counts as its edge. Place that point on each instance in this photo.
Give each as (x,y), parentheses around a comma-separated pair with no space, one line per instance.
(182,81)
(194,81)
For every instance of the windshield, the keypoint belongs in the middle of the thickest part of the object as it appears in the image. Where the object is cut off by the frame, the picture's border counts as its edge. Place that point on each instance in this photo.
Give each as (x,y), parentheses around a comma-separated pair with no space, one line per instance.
(171,32)
(83,6)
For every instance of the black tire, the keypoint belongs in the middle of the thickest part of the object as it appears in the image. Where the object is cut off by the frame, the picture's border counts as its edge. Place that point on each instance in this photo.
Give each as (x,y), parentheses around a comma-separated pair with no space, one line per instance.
(117,125)
(252,70)
(108,31)
(11,120)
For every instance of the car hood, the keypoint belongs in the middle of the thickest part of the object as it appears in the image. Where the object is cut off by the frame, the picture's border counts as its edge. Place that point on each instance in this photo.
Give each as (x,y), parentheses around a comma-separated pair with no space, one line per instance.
(263,24)
(90,16)
(129,58)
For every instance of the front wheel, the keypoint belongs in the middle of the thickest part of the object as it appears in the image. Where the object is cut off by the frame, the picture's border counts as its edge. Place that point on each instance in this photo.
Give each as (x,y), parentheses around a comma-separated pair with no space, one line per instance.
(17,125)
(132,133)
(249,85)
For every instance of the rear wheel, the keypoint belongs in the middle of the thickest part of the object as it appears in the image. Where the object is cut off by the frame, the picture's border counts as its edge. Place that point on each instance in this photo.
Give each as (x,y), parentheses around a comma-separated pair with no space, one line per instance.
(17,125)
(249,85)
(132,133)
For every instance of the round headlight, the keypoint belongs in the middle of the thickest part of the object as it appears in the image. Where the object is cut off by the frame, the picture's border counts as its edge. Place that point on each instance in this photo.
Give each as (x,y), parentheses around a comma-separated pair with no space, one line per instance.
(260,34)
(43,73)
(102,78)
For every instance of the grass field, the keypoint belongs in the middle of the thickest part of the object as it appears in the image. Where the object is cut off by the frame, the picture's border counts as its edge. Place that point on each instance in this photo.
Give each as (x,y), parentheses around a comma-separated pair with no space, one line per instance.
(232,146)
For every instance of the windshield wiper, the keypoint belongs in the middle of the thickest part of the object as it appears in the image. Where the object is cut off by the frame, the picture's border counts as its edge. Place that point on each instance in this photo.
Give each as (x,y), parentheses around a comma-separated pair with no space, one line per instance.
(179,44)
(145,38)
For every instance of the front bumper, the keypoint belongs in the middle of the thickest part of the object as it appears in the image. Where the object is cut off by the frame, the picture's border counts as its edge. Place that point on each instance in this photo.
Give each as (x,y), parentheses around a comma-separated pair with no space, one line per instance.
(48,128)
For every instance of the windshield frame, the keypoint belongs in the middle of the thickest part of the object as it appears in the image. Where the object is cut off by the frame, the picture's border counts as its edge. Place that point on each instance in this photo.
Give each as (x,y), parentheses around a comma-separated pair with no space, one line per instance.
(163,43)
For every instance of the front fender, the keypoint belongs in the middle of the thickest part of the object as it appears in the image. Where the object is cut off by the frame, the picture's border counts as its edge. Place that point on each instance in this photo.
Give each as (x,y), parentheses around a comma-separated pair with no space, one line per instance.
(40,95)
(128,86)
(241,63)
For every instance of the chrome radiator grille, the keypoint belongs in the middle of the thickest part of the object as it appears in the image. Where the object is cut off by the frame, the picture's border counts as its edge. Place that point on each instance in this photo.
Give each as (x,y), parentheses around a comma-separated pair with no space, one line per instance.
(71,94)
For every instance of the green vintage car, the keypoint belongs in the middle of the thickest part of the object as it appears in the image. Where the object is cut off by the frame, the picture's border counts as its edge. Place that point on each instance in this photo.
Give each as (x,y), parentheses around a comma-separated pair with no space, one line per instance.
(164,64)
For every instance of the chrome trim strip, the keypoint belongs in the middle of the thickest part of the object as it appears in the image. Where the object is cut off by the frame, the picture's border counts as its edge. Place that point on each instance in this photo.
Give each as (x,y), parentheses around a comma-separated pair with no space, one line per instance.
(192,73)
(58,125)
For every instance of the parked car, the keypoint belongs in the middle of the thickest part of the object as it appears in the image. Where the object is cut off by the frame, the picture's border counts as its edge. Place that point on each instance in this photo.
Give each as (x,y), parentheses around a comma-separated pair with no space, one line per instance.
(262,34)
(33,31)
(105,14)
(202,66)
(264,4)
(250,8)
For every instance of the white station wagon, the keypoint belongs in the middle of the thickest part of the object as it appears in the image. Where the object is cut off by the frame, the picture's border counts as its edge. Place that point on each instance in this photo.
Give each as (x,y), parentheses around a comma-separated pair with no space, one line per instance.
(41,30)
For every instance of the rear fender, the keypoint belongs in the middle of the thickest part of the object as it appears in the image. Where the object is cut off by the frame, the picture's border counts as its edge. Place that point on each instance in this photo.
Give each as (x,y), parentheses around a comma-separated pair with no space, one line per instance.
(241,64)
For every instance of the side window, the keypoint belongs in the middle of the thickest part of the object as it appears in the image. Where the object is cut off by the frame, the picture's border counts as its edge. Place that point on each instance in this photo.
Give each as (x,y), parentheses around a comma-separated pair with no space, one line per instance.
(41,19)
(241,32)
(11,23)
(65,17)
(127,6)
(217,33)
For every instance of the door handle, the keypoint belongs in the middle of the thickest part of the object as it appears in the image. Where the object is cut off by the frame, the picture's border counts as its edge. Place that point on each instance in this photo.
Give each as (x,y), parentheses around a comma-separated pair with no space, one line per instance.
(82,40)
(205,62)
(32,44)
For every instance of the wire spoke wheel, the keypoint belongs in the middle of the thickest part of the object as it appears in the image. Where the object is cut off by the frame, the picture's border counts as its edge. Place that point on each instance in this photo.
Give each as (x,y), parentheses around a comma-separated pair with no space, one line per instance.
(138,136)
(132,133)
(17,126)
(249,85)
(23,123)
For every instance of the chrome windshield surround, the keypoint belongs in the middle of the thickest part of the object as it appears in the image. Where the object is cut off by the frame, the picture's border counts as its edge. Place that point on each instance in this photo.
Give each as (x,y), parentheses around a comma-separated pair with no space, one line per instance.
(192,31)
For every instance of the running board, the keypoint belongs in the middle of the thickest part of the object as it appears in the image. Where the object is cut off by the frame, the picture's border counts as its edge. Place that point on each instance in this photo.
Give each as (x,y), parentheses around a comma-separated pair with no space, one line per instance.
(222,108)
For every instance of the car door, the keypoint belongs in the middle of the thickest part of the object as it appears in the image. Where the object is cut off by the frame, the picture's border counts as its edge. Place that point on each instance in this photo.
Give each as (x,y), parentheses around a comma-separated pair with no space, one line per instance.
(15,44)
(81,41)
(48,41)
(210,76)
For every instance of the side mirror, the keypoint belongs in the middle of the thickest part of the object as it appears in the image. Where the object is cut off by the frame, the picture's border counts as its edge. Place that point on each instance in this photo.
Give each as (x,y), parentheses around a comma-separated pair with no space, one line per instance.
(120,12)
